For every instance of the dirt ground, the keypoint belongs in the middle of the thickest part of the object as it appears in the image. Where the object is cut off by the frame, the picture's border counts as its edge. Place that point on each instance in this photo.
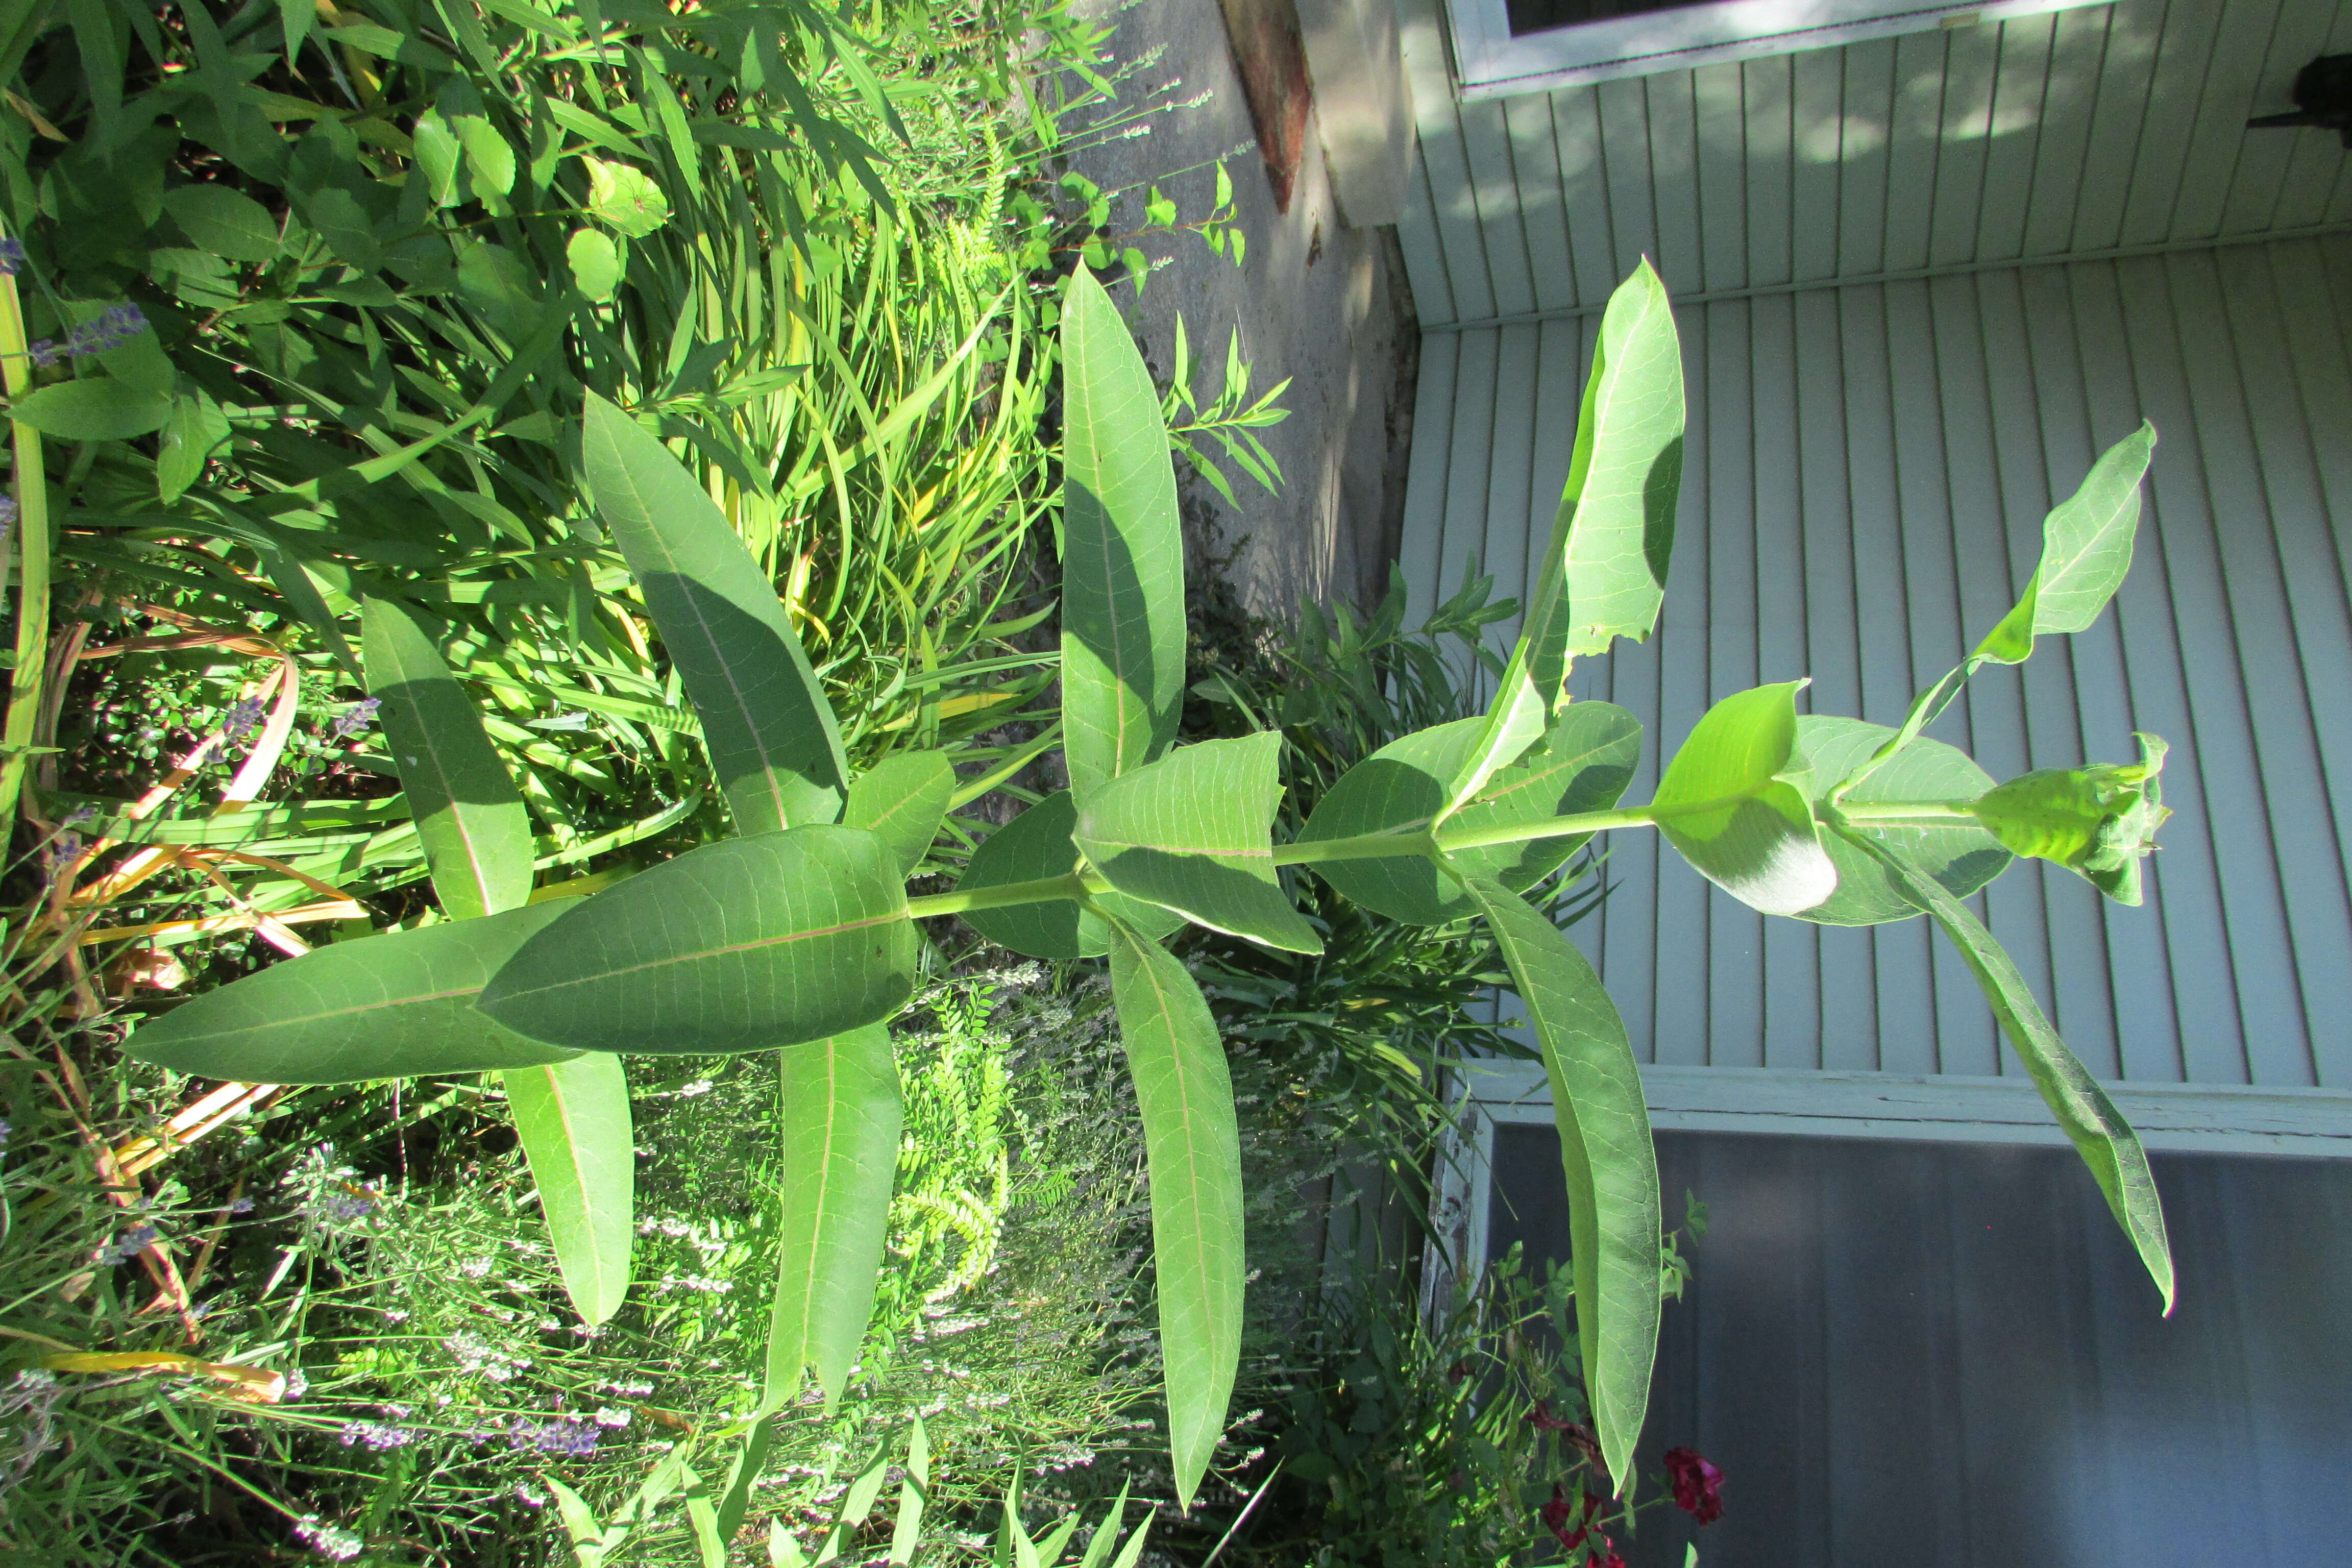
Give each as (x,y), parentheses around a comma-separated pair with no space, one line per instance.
(1315,300)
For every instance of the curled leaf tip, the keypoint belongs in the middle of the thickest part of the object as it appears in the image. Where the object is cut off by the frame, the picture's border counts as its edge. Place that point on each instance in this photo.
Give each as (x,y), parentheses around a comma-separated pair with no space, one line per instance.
(2098,821)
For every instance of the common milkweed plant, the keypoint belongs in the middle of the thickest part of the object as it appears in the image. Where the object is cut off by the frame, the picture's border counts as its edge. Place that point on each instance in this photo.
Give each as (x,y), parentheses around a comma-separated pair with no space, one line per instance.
(798,935)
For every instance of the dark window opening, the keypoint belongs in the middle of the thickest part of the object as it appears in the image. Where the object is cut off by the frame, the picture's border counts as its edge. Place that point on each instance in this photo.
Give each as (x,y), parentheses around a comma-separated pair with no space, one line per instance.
(1543,15)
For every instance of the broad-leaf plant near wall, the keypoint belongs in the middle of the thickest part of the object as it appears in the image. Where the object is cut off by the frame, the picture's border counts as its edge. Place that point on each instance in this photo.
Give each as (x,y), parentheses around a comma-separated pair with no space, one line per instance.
(798,935)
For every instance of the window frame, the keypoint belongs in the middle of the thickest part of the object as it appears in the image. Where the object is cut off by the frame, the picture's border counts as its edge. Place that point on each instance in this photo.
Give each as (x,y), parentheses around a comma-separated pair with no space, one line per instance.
(1491,63)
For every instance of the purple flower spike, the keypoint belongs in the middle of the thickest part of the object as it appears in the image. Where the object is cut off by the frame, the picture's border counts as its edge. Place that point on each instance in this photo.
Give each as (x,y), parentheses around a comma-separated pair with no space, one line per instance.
(567,1437)
(355,719)
(244,718)
(12,255)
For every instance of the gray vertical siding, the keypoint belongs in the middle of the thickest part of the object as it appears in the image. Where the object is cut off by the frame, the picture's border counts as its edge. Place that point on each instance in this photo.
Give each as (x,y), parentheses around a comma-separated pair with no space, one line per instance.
(1923,1354)
(1866,472)
(2086,130)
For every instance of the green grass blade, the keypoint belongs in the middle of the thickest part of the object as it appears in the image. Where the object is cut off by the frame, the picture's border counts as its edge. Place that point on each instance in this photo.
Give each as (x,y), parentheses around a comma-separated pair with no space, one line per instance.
(384,1006)
(773,739)
(1122,554)
(469,814)
(1606,1153)
(1192,1152)
(573,1119)
(742,945)
(837,1130)
(2090,1120)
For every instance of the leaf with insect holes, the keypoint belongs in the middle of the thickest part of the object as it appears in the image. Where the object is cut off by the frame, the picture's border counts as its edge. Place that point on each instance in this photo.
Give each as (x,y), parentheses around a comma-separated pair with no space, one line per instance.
(741,945)
(383,1006)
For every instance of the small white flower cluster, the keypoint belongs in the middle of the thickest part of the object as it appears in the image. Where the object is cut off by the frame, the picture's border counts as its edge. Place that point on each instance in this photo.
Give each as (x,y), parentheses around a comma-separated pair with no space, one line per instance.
(693,1282)
(474,1355)
(608,1416)
(327,1539)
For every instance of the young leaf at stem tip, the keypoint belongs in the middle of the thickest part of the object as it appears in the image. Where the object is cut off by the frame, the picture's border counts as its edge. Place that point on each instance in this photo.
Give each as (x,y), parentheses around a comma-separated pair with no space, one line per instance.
(1604,574)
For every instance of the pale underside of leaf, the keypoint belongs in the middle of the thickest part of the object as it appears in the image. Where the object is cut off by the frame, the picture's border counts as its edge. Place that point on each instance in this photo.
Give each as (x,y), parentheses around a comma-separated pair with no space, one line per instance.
(1193,1151)
(2101,1137)
(574,1123)
(838,1135)
(1607,1158)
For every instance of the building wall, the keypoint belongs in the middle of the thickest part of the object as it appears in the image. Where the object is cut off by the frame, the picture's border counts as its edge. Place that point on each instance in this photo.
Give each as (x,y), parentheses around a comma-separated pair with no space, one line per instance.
(2063,134)
(1866,472)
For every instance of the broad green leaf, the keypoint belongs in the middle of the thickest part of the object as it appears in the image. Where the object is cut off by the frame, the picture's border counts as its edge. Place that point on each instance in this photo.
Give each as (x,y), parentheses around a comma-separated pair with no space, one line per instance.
(573,1119)
(2090,1120)
(469,814)
(595,263)
(1192,1154)
(197,430)
(489,158)
(1588,757)
(225,222)
(838,1136)
(95,408)
(383,1007)
(626,198)
(903,798)
(437,155)
(1607,1156)
(1604,574)
(1194,832)
(1123,552)
(1960,856)
(742,945)
(772,741)
(2086,550)
(1033,847)
(1727,802)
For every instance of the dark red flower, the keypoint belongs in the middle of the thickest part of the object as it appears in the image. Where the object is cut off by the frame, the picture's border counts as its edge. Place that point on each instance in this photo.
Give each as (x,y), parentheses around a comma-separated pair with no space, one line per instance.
(1559,1513)
(1698,1486)
(1611,1560)
(1543,1420)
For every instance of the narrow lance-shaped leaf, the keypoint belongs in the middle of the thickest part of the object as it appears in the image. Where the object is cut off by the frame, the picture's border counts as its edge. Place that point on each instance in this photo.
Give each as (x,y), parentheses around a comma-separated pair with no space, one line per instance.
(1193,1152)
(573,1119)
(742,945)
(2090,1120)
(1604,574)
(1726,801)
(772,737)
(384,1006)
(837,1131)
(1194,832)
(1122,553)
(469,814)
(903,798)
(1606,1154)
(2086,551)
